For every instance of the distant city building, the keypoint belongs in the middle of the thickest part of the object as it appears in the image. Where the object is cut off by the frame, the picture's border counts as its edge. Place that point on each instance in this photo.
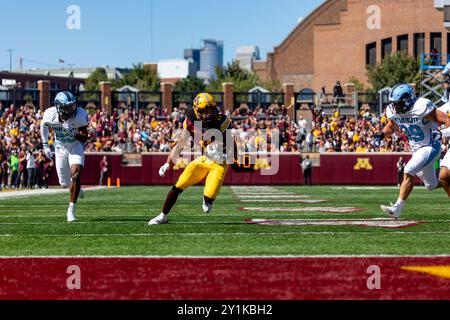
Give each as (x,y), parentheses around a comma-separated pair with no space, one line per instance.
(80,73)
(27,81)
(246,56)
(211,55)
(193,55)
(175,69)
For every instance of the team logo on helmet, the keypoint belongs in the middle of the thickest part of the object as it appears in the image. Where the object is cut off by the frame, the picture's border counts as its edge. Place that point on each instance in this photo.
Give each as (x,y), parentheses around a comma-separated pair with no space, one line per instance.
(402,97)
(65,104)
(204,106)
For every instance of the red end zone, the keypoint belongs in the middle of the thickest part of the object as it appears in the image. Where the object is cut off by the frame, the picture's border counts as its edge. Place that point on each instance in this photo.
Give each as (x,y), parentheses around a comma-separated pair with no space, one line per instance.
(222,278)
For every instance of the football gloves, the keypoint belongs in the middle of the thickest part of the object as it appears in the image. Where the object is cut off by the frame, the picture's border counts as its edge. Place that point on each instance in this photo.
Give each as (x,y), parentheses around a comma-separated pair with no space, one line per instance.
(436,136)
(377,139)
(48,152)
(163,170)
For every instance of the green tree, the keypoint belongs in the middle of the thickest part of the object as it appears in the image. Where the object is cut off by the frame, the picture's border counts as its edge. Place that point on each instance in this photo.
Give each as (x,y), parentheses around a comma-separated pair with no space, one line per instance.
(189,84)
(395,68)
(359,86)
(141,78)
(242,79)
(99,75)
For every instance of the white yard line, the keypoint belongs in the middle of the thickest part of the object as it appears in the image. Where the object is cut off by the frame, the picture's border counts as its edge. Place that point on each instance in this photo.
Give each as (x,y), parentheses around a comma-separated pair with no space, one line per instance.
(303,209)
(272,196)
(283,201)
(220,234)
(39,192)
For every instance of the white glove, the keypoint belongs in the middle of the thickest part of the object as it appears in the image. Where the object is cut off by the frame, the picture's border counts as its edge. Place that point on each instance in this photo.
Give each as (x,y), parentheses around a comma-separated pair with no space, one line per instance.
(48,152)
(163,170)
(214,151)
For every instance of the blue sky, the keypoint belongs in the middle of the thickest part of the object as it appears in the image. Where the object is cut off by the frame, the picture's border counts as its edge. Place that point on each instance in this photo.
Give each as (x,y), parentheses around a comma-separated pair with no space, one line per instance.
(117,33)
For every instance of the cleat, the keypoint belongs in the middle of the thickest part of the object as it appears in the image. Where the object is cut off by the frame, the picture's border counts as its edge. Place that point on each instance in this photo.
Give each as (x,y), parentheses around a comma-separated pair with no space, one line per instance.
(161,219)
(392,211)
(71,215)
(207,207)
(81,194)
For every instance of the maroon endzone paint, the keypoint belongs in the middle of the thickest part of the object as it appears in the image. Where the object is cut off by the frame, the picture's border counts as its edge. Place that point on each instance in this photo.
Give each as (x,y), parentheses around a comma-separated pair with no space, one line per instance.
(221,278)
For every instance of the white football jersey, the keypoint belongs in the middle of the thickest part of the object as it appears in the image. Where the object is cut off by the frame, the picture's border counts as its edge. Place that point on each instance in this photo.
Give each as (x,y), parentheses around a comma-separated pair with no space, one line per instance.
(418,129)
(66,131)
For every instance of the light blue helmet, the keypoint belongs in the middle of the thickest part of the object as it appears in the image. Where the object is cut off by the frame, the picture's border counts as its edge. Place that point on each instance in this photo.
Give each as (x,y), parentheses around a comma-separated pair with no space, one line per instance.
(65,104)
(402,97)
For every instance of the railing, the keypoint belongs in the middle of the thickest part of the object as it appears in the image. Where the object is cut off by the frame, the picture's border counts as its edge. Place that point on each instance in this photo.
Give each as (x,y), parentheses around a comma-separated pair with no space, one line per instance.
(148,100)
(89,99)
(433,61)
(183,100)
(19,97)
(258,99)
(347,104)
(124,99)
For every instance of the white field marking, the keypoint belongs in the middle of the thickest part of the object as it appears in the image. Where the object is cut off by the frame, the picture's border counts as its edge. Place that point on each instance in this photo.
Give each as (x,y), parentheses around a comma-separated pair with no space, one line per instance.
(40,192)
(304,209)
(370,188)
(234,215)
(272,196)
(185,222)
(284,201)
(252,187)
(240,194)
(377,223)
(222,234)
(268,257)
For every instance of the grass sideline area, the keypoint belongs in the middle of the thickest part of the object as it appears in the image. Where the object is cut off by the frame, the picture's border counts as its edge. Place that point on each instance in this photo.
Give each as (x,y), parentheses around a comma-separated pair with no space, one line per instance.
(114,223)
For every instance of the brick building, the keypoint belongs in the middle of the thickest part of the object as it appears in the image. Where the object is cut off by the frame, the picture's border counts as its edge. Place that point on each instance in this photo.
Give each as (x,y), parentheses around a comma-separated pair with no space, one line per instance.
(338,39)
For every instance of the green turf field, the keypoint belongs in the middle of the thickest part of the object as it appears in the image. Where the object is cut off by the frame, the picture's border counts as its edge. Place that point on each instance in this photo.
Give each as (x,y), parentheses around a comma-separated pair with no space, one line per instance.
(114,222)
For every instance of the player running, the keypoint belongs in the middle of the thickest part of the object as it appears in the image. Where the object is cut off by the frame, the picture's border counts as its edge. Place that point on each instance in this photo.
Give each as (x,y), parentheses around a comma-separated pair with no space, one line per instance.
(418,118)
(200,120)
(69,123)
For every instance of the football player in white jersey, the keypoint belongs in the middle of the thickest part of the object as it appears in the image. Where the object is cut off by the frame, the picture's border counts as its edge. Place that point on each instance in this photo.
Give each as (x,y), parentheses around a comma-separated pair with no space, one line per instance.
(419,119)
(69,124)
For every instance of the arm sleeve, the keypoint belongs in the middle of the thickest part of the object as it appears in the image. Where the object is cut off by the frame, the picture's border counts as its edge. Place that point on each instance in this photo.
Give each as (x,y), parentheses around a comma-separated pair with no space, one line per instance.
(44,133)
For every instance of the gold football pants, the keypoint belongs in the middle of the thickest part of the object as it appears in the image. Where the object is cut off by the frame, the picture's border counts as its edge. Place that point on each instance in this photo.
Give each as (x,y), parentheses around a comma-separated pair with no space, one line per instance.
(200,169)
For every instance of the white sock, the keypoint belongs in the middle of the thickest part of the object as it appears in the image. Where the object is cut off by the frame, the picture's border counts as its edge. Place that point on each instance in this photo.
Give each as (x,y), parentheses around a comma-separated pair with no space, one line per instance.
(400,203)
(72,205)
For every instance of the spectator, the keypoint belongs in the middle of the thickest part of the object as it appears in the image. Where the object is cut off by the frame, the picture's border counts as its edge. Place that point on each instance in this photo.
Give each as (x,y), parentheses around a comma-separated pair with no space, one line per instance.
(23,175)
(338,93)
(48,169)
(307,171)
(13,169)
(30,168)
(103,169)
(39,169)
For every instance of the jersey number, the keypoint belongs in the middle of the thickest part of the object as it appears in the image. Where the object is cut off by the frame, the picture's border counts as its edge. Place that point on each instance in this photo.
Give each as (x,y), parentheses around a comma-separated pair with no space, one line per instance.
(414,133)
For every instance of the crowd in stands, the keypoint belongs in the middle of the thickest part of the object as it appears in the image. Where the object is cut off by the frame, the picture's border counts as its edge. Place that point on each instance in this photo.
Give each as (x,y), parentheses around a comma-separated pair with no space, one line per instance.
(22,163)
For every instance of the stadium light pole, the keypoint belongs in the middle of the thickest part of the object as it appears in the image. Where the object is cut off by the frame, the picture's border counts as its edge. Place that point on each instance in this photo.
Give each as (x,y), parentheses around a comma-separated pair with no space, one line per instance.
(10,59)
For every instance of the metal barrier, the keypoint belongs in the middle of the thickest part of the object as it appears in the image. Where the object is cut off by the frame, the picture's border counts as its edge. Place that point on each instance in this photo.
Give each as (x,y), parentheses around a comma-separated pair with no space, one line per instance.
(89,99)
(19,97)
(432,61)
(148,100)
(124,99)
(183,100)
(258,99)
(347,104)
